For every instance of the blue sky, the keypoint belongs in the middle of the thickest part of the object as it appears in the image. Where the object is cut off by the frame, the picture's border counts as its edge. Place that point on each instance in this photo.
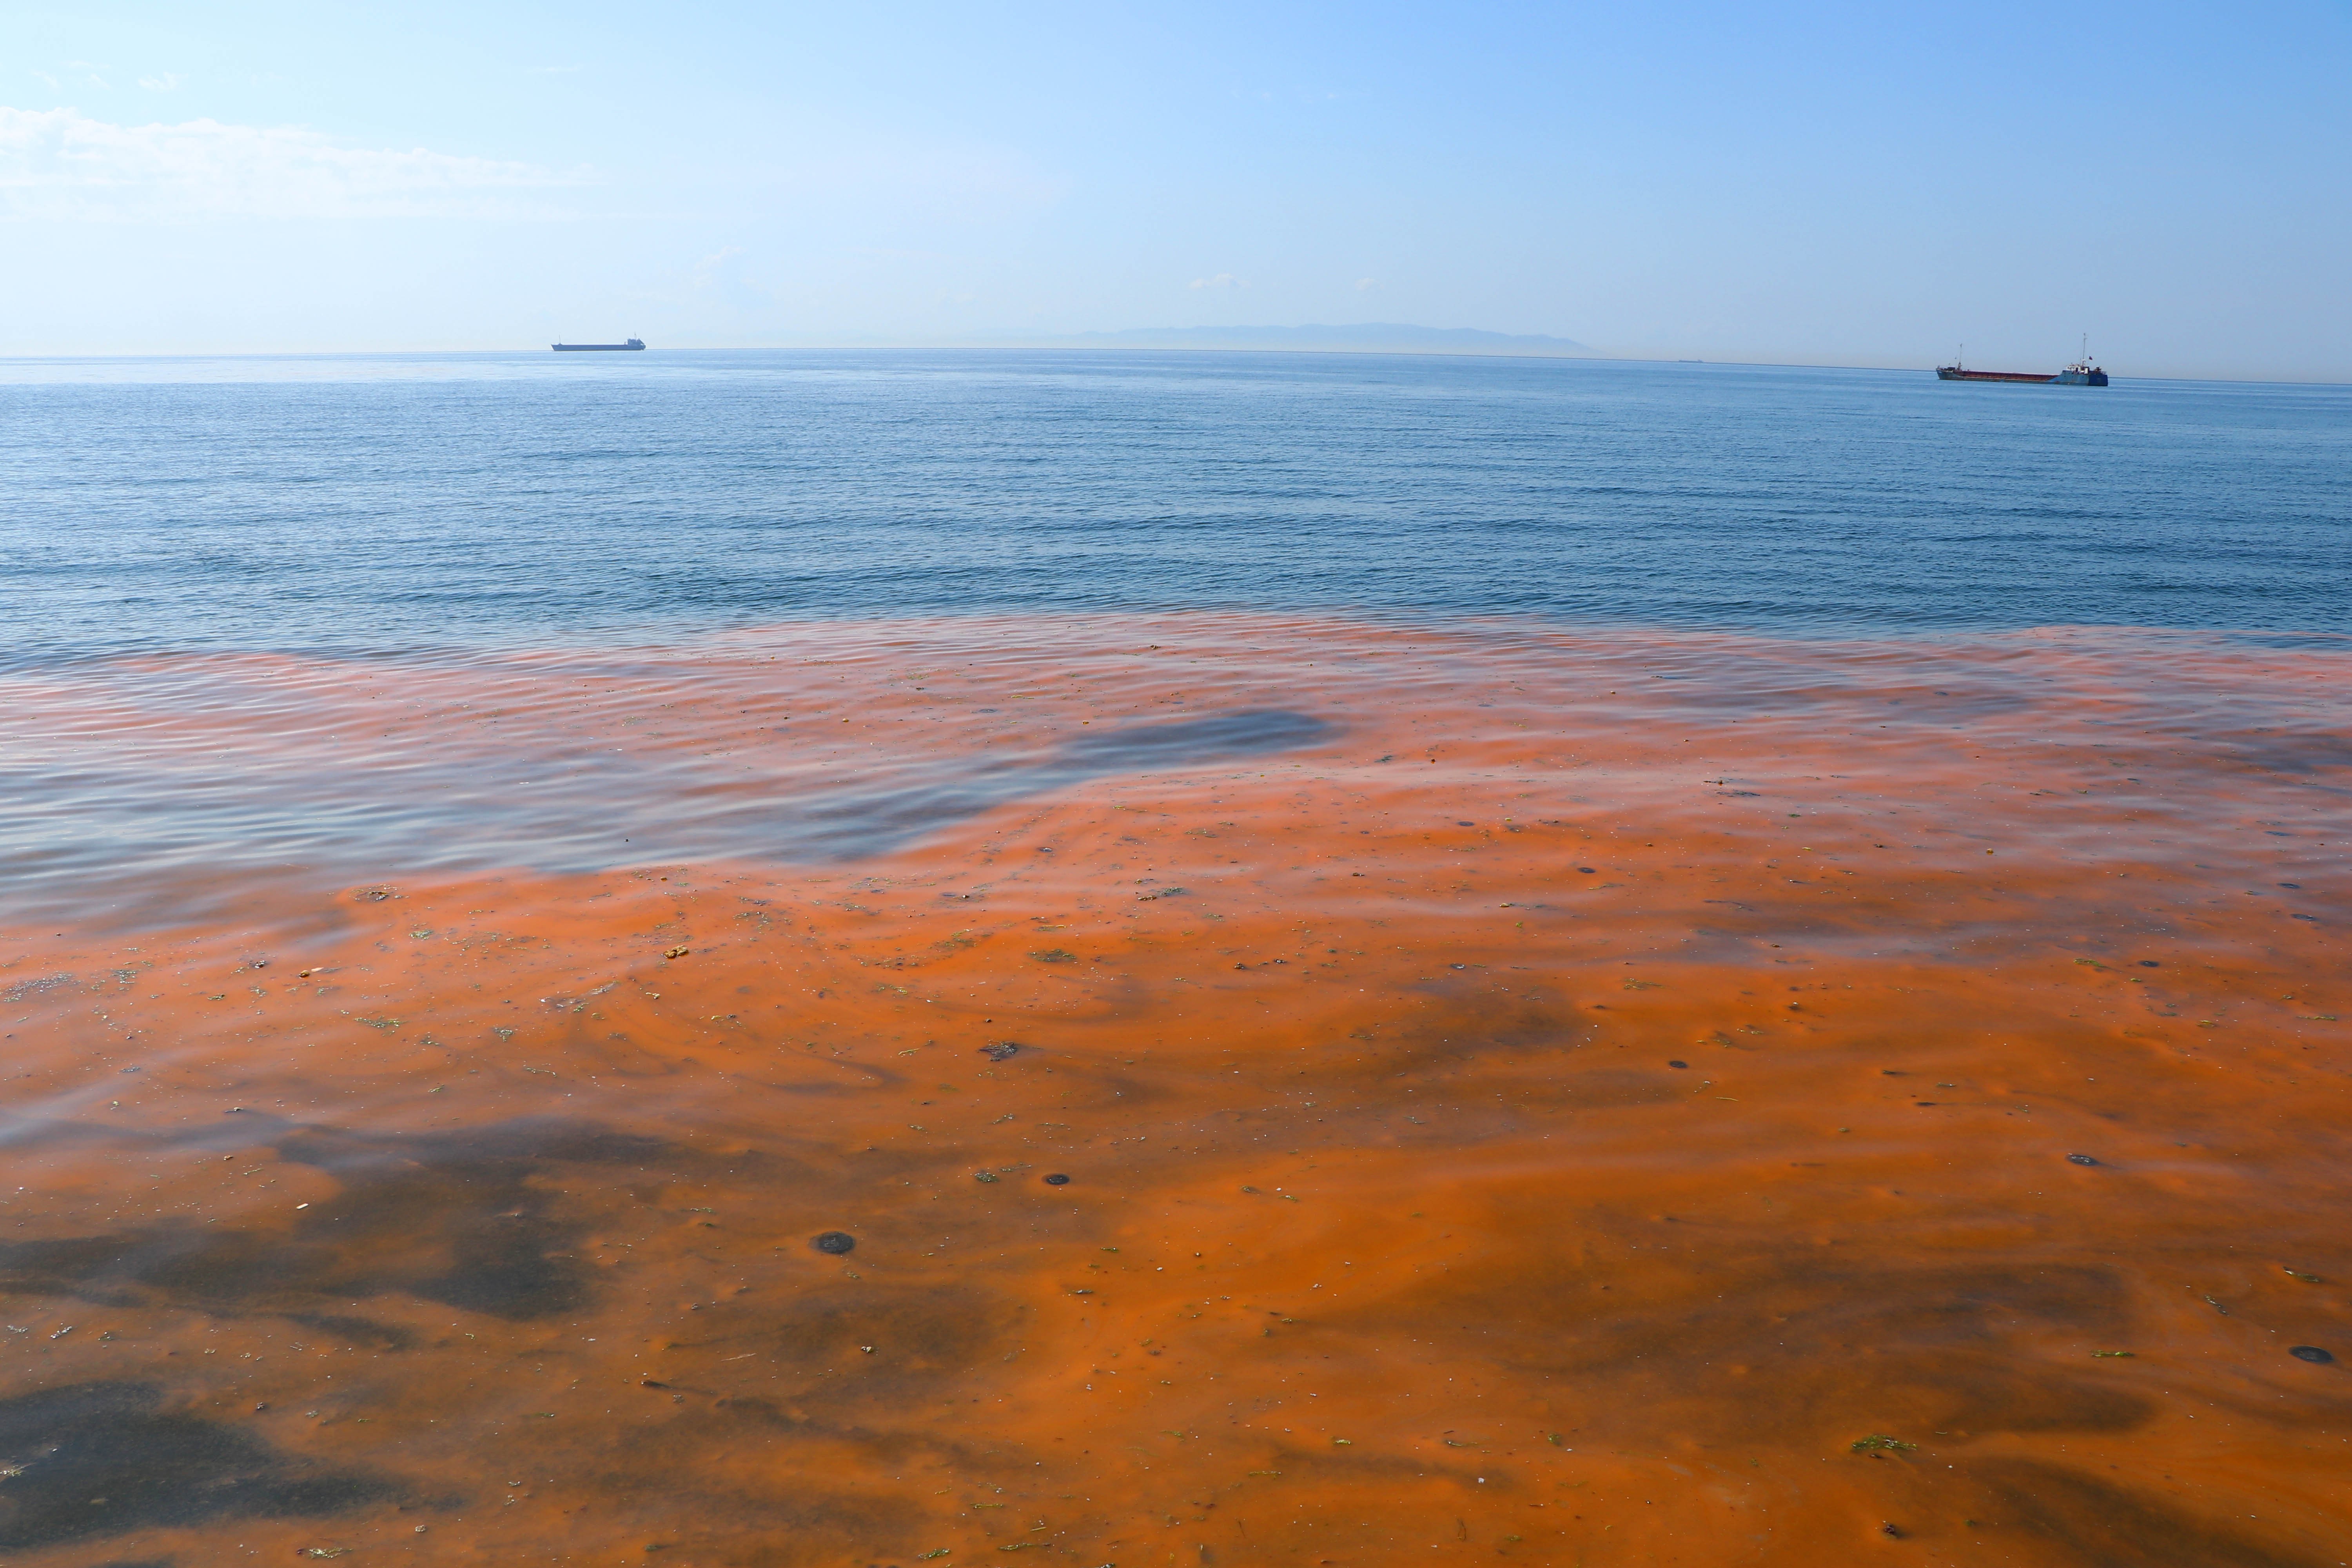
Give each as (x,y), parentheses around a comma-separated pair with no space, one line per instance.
(1836,185)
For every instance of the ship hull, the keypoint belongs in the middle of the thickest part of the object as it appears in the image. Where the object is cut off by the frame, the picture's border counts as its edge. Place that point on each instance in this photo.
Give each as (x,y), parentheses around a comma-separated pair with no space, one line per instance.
(595,348)
(2065,378)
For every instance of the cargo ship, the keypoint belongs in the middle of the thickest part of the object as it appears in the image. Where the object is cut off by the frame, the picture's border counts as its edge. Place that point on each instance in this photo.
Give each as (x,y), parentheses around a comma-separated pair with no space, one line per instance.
(596,348)
(2082,373)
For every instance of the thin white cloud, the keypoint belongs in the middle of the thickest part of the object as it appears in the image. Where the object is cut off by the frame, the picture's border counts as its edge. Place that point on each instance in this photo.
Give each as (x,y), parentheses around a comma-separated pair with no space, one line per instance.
(1222,280)
(1367,283)
(59,163)
(707,268)
(163,81)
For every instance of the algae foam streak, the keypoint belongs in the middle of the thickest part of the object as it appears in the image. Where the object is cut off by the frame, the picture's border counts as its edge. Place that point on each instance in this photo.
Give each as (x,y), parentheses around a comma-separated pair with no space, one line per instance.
(1200,1088)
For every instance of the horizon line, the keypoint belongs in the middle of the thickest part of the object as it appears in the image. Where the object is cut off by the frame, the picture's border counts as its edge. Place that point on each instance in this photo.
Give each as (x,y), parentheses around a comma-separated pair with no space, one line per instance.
(966,346)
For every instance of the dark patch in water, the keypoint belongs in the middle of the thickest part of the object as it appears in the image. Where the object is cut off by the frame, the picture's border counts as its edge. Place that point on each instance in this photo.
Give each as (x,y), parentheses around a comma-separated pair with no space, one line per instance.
(2289,752)
(2312,1353)
(1939,1340)
(835,1242)
(2097,1522)
(848,826)
(1458,1019)
(2331,642)
(467,1219)
(1251,732)
(154,1468)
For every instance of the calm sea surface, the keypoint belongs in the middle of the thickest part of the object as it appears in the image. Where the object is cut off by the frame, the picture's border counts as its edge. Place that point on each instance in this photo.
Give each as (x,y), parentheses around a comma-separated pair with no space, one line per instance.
(400,502)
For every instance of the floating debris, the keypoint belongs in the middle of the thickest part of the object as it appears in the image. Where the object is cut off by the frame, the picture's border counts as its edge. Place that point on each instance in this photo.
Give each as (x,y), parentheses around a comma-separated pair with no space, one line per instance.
(1878,1442)
(835,1242)
(24,989)
(2312,1353)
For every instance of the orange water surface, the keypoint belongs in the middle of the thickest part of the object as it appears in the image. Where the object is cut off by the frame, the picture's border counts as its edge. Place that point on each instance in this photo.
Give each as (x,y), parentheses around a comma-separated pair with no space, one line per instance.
(1560,1097)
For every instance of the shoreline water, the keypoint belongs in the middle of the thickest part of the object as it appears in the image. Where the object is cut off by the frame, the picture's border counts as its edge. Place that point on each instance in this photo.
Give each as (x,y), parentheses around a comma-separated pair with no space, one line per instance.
(1544,1089)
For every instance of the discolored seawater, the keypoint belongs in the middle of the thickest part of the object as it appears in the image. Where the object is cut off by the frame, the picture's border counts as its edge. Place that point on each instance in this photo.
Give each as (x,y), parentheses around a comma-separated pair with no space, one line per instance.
(1523,1093)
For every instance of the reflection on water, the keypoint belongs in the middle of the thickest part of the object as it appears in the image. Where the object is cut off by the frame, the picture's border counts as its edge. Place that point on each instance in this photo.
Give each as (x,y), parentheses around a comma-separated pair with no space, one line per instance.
(1549,1098)
(197,767)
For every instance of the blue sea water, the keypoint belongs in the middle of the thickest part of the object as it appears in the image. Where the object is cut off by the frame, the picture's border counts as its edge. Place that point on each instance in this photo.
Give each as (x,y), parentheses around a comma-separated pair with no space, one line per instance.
(414,502)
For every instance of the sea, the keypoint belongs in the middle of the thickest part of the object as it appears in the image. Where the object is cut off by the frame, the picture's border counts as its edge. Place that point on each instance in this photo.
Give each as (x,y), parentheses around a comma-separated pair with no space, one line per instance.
(401,501)
(1182,958)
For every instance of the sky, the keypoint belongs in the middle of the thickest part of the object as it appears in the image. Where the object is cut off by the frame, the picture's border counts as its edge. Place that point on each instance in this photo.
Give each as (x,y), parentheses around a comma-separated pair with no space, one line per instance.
(1830,185)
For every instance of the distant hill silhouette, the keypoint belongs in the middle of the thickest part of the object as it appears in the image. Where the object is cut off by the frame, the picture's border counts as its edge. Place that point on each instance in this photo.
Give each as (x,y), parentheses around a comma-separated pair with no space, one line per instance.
(1367,337)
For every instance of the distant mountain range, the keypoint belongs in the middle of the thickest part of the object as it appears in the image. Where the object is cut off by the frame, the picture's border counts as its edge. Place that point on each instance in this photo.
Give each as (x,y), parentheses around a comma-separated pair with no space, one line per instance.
(1365,337)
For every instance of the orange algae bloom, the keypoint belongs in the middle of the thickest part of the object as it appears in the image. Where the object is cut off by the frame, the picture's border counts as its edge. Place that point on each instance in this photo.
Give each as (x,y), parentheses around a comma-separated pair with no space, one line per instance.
(1187,1090)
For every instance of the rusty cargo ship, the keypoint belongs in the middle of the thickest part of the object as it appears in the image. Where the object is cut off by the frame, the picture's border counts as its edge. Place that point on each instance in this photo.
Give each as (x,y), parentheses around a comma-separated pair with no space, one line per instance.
(2082,373)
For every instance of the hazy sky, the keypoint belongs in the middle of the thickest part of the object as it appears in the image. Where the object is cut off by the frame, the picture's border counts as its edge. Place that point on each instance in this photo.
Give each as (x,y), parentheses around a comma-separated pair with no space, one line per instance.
(1840,184)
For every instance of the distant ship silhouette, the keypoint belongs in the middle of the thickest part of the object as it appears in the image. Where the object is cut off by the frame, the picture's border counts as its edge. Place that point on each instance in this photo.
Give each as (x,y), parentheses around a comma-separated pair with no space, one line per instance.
(596,348)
